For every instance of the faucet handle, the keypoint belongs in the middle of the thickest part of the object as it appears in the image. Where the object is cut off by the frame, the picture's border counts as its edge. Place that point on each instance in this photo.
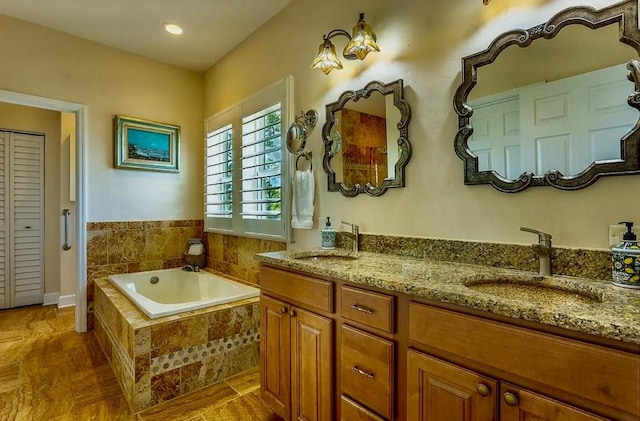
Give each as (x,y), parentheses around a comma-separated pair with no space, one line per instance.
(542,236)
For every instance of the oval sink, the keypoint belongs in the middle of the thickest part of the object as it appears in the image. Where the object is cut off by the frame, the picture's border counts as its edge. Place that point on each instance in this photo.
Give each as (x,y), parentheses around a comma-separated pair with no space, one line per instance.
(545,291)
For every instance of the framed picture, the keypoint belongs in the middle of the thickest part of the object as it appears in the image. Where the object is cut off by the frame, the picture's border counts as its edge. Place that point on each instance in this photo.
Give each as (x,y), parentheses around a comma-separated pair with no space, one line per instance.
(146,145)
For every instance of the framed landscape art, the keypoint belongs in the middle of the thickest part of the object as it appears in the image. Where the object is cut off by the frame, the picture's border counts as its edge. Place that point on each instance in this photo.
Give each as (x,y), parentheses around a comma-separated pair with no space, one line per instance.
(146,145)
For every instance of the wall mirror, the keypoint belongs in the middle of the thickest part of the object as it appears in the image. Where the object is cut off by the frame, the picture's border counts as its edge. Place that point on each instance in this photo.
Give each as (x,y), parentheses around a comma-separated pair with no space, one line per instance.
(366,145)
(555,104)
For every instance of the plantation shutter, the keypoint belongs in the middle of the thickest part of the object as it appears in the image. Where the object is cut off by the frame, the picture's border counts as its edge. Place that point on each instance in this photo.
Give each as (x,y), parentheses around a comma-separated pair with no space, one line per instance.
(247,188)
(219,162)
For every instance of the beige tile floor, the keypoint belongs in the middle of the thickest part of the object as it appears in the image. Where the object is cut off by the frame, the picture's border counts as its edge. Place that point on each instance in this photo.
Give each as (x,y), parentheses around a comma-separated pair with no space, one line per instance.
(49,372)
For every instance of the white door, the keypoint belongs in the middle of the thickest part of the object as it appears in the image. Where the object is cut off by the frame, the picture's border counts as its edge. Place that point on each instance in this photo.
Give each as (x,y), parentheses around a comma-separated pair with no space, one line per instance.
(496,136)
(21,237)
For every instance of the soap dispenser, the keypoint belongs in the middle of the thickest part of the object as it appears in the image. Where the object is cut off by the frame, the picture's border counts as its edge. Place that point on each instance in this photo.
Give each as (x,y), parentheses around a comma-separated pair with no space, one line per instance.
(626,260)
(328,236)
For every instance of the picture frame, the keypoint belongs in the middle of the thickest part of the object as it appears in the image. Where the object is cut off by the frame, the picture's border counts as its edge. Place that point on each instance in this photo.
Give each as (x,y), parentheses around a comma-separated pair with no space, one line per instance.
(146,145)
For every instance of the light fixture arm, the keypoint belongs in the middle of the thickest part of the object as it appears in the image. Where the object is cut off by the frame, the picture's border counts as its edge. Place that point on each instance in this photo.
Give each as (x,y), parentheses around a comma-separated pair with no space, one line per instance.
(335,33)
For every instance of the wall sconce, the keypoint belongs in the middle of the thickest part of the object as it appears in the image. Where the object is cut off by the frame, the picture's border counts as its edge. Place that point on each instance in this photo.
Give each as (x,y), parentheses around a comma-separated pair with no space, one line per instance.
(361,42)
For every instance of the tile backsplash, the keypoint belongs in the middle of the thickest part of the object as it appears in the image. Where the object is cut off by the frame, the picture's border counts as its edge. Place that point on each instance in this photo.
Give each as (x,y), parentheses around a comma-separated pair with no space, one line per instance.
(235,255)
(594,264)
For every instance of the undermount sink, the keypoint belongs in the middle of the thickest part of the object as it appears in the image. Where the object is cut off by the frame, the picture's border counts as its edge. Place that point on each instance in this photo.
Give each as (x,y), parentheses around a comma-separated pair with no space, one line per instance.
(324,255)
(537,290)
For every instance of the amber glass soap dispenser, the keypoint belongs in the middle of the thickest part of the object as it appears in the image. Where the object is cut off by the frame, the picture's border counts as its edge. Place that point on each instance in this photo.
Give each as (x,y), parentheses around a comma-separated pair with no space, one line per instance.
(626,260)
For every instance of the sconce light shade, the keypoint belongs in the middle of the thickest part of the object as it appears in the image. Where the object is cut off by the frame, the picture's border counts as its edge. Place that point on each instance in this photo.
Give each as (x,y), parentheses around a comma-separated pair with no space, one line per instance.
(326,60)
(363,41)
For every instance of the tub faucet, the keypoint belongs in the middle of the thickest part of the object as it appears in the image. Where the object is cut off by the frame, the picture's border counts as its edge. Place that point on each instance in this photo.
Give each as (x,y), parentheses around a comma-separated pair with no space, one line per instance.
(354,235)
(542,249)
(191,268)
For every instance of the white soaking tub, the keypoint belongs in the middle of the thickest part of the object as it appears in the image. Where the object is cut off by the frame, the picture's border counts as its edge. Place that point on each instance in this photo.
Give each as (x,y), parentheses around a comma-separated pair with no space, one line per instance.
(171,291)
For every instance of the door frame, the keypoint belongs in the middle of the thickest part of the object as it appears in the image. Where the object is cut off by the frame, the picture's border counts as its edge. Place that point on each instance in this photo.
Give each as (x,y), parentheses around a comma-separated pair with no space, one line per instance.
(80,111)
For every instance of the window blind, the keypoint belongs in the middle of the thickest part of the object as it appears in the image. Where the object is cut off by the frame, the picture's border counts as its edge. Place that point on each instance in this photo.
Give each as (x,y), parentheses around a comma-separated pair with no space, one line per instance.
(247,192)
(262,164)
(219,173)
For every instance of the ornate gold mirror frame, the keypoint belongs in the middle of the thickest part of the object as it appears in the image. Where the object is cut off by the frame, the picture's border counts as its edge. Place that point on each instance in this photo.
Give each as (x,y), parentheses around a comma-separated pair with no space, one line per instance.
(331,140)
(625,15)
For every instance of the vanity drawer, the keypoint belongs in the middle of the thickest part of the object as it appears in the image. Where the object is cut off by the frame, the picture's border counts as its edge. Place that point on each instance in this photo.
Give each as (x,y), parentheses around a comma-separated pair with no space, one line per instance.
(590,372)
(350,411)
(368,308)
(366,370)
(309,292)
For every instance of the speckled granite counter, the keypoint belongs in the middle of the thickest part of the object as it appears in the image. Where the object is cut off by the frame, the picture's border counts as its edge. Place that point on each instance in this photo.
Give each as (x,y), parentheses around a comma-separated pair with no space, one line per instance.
(606,310)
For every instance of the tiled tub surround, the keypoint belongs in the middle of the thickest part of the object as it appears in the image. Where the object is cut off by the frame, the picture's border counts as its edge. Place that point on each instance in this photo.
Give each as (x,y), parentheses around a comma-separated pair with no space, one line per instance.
(235,255)
(592,264)
(135,246)
(158,360)
(617,317)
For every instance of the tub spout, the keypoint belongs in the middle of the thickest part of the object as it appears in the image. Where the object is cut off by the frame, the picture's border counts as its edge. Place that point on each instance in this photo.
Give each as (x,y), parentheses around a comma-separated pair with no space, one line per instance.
(191,268)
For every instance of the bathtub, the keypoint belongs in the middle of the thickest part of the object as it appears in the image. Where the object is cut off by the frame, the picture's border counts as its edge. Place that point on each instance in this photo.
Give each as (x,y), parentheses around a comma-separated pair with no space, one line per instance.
(177,291)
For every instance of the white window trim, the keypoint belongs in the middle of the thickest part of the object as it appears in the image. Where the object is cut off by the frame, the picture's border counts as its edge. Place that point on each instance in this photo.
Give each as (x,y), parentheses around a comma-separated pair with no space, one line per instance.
(233,114)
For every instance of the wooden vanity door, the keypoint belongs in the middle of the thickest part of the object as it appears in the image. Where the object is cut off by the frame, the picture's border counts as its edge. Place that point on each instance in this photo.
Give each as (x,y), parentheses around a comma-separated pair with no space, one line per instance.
(275,353)
(439,391)
(311,366)
(526,405)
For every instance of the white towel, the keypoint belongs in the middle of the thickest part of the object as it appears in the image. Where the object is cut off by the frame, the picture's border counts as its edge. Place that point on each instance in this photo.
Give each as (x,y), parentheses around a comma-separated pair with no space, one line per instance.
(302,202)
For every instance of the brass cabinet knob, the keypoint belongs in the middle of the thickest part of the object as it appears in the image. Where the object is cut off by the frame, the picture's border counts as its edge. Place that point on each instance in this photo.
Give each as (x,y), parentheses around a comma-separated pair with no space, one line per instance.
(510,399)
(284,309)
(483,389)
(292,313)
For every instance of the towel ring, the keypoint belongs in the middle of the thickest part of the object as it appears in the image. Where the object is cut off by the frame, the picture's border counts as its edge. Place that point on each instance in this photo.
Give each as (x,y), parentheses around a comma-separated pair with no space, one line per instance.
(307,156)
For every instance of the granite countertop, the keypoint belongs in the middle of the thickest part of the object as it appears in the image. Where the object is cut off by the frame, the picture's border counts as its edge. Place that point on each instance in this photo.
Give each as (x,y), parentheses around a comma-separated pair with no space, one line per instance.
(593,307)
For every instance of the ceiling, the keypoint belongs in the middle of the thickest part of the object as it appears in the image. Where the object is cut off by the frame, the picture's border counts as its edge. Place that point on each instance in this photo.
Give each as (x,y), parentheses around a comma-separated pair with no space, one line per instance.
(212,28)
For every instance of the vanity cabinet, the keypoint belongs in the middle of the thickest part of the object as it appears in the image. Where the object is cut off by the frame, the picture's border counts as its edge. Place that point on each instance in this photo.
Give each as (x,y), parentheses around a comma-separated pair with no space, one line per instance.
(555,375)
(439,391)
(332,350)
(367,360)
(296,349)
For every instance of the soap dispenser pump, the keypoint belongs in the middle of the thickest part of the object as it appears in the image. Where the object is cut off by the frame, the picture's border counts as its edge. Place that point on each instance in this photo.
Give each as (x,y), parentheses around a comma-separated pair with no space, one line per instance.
(328,236)
(626,260)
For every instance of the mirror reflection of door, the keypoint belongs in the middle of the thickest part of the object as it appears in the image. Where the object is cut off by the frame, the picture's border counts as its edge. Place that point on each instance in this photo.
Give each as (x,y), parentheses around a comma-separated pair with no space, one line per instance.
(557,104)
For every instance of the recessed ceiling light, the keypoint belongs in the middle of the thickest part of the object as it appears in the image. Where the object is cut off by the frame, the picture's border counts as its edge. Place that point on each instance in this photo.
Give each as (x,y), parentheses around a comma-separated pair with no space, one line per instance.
(172,28)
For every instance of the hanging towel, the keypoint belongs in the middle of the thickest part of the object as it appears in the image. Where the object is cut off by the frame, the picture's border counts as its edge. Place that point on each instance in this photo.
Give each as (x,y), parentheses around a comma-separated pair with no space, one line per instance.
(302,202)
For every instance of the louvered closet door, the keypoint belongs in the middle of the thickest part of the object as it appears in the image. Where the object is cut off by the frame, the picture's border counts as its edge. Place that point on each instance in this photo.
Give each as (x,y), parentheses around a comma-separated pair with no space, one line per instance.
(26,168)
(5,302)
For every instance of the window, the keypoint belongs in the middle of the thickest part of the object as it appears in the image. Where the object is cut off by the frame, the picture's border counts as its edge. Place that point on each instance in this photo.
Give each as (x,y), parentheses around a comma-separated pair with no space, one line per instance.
(246,169)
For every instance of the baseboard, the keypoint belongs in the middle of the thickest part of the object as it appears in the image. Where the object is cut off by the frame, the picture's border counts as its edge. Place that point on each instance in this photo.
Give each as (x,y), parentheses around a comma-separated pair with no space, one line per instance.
(67,301)
(50,298)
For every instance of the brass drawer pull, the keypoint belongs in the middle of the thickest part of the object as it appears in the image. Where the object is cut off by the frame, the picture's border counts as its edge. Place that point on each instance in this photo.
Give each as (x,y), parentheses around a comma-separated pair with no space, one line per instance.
(362,309)
(510,399)
(361,372)
(483,389)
